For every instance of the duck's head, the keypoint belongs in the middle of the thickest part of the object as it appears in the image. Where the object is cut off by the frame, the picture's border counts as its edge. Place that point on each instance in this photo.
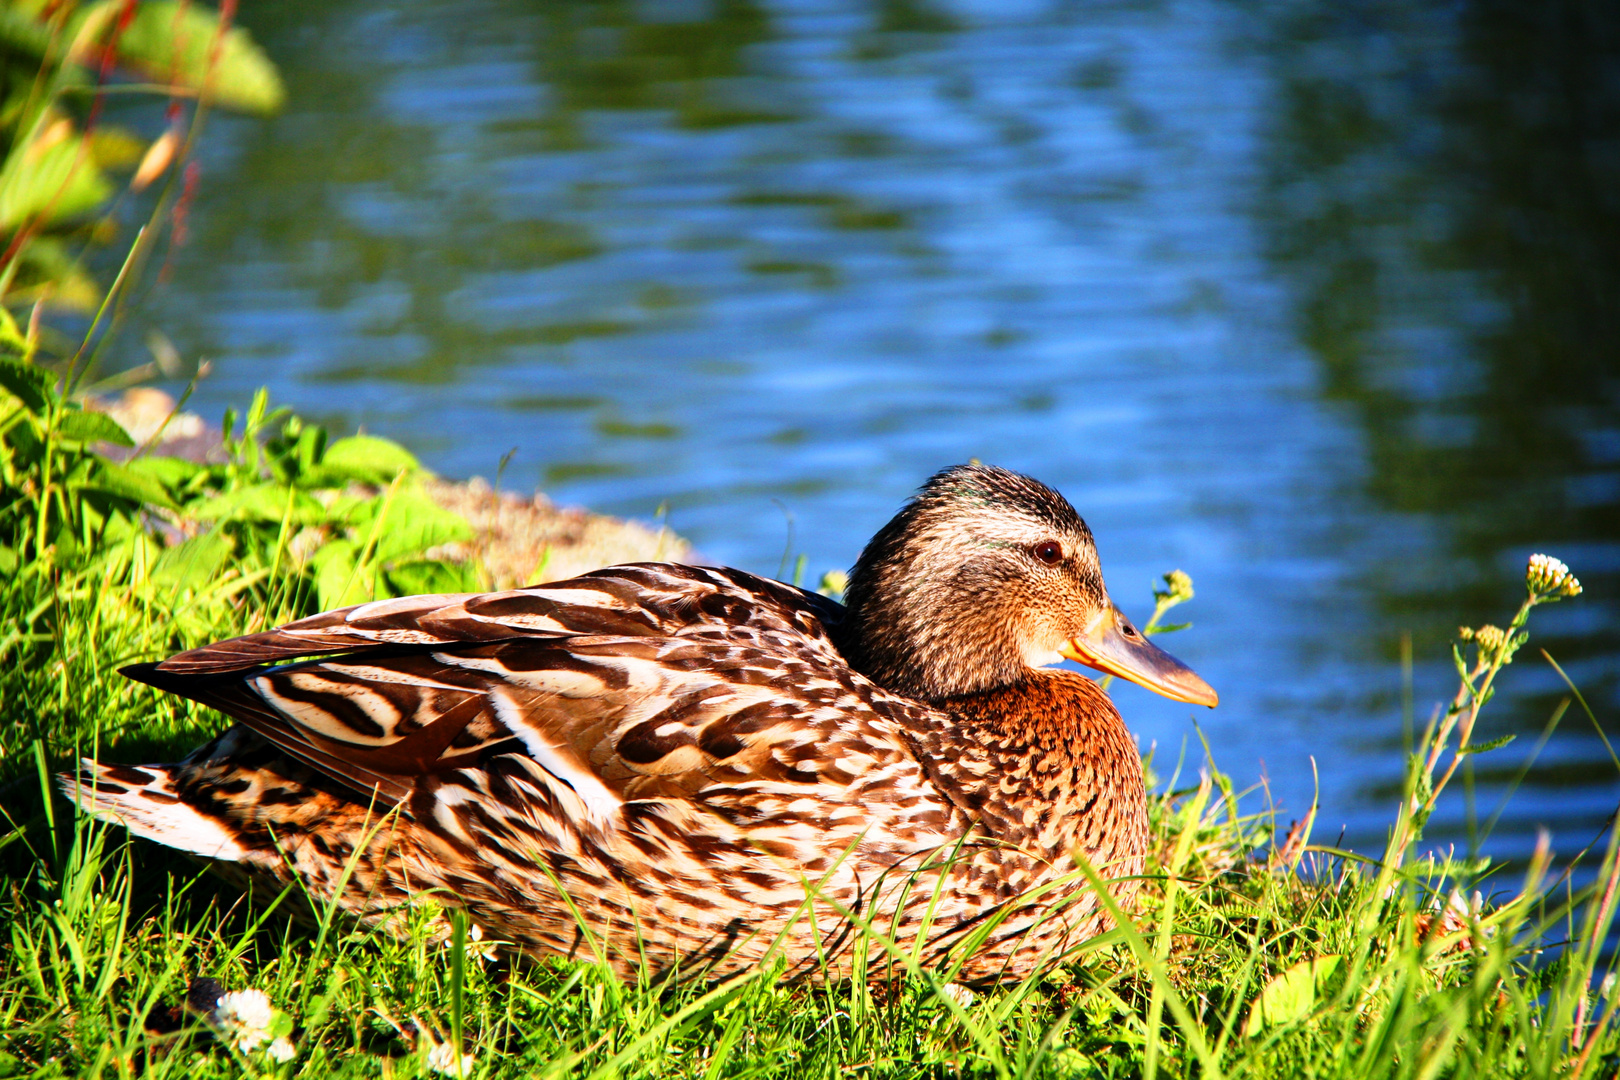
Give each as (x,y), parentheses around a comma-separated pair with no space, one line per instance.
(980,578)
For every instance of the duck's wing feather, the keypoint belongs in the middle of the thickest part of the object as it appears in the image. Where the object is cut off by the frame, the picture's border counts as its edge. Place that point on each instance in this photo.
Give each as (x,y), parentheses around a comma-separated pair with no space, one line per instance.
(636,682)
(636,599)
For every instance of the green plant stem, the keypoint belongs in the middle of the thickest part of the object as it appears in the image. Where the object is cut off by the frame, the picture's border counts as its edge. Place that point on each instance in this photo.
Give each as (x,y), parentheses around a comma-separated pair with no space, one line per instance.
(1460,716)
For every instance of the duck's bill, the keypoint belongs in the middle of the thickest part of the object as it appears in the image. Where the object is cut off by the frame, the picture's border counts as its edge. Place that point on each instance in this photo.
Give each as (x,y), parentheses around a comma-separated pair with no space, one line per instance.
(1107,648)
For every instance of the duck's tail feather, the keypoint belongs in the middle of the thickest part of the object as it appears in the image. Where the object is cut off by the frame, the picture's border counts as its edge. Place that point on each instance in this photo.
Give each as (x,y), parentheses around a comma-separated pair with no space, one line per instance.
(143,798)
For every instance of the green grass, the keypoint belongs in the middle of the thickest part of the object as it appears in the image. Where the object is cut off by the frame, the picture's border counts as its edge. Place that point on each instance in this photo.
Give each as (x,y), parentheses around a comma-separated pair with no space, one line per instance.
(1236,963)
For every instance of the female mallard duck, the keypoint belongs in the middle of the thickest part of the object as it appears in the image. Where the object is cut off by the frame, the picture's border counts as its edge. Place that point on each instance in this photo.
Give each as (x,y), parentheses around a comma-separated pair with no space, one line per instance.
(696,768)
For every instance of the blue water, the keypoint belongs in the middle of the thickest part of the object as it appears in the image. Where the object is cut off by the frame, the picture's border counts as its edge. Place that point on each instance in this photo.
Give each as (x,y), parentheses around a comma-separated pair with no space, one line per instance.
(1319,309)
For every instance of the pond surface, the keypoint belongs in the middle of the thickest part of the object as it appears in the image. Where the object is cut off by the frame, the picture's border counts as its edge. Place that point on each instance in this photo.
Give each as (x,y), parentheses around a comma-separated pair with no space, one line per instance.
(1321,308)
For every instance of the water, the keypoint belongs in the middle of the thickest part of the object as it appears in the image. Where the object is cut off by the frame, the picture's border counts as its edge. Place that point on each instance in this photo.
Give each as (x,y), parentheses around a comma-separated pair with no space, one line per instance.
(1320,308)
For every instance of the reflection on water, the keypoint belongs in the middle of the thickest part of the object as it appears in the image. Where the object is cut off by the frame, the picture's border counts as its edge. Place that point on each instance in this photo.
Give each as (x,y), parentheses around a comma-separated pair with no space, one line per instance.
(1443,193)
(1320,309)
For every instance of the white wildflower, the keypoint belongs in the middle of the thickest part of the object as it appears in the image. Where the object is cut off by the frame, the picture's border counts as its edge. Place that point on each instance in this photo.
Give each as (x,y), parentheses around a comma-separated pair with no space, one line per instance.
(1550,578)
(245,1016)
(442,1058)
(245,1008)
(249,1040)
(281,1050)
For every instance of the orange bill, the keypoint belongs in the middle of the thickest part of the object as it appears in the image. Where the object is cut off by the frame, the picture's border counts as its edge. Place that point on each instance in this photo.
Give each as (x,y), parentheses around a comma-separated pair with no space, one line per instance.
(1113,645)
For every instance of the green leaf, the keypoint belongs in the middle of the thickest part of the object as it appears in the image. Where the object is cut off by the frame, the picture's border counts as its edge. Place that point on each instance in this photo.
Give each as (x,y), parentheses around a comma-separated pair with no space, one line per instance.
(193,562)
(24,444)
(8,560)
(432,576)
(31,385)
(1292,995)
(348,510)
(361,459)
(281,1025)
(78,468)
(296,451)
(67,545)
(172,472)
(119,481)
(88,426)
(1486,747)
(172,40)
(52,174)
(337,582)
(414,523)
(266,502)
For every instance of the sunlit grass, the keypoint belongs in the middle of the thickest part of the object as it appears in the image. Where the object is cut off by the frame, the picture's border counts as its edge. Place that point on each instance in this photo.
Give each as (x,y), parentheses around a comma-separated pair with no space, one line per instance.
(1244,958)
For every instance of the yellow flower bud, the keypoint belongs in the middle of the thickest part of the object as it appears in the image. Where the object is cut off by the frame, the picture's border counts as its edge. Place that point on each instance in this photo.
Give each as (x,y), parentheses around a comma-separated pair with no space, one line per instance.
(1178,587)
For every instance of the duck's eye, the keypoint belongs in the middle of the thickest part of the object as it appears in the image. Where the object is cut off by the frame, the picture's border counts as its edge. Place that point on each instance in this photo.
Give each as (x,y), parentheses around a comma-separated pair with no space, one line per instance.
(1049,552)
(1127,629)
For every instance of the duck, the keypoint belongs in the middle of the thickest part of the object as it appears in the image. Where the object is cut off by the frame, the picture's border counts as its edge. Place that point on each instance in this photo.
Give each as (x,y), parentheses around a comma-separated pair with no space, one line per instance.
(681,770)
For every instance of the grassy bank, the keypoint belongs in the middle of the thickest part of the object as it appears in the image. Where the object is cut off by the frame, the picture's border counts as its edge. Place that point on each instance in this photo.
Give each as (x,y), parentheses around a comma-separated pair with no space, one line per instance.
(1250,956)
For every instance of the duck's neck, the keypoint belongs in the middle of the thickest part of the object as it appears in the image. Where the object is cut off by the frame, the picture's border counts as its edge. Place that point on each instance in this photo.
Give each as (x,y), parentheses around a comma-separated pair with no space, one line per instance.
(925,629)
(1047,765)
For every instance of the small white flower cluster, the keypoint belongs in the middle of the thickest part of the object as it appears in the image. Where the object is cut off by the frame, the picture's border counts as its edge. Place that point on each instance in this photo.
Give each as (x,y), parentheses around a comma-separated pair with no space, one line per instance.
(247,1019)
(442,1058)
(1550,578)
(245,1016)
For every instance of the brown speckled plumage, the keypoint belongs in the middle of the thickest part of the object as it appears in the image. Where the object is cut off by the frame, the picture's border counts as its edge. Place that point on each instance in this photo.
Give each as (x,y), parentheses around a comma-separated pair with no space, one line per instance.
(688,755)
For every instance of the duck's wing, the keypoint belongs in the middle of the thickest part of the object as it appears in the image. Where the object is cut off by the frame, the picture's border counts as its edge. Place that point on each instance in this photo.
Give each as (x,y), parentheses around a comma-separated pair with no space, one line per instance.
(633,600)
(632,683)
